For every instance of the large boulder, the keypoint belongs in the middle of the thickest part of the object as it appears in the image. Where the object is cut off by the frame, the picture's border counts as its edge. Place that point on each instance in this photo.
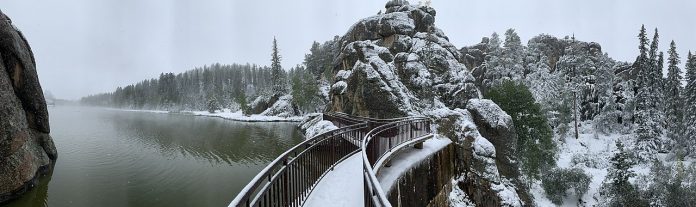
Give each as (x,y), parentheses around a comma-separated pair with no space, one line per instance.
(26,148)
(396,64)
(496,125)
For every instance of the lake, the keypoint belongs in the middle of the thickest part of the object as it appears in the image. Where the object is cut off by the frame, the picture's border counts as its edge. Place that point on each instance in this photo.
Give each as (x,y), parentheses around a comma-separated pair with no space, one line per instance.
(120,158)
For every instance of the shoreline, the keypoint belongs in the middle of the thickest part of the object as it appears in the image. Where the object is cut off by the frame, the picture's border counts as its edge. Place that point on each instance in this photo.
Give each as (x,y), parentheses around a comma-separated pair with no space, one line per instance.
(224,114)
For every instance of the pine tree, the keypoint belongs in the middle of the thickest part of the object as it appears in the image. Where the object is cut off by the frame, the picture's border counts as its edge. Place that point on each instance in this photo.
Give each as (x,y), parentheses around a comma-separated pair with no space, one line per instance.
(690,105)
(646,115)
(673,88)
(618,188)
(213,104)
(506,62)
(534,135)
(279,84)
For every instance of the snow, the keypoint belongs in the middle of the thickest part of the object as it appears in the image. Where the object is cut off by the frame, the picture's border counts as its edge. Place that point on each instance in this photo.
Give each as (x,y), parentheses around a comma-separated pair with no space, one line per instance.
(482,147)
(226,114)
(239,116)
(339,87)
(318,128)
(457,197)
(343,74)
(490,112)
(281,108)
(591,153)
(341,187)
(407,158)
(507,196)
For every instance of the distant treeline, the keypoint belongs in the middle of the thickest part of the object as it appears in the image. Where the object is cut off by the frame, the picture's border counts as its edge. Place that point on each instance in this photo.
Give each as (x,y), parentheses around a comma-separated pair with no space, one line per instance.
(190,89)
(231,86)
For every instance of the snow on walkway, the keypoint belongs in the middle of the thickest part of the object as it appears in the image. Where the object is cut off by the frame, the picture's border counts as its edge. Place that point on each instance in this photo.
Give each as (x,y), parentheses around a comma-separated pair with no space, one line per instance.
(341,187)
(407,158)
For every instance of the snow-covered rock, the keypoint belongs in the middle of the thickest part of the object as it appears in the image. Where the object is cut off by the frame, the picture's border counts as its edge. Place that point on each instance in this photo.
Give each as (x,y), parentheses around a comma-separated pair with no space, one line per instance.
(395,63)
(281,107)
(496,125)
(319,128)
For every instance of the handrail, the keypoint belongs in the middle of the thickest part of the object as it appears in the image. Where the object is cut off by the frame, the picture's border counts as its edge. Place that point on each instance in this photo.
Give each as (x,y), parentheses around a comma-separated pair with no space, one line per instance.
(374,150)
(291,177)
(369,119)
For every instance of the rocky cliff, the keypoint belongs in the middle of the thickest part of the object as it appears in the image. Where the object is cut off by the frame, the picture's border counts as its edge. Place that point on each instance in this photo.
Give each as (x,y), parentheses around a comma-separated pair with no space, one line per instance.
(399,64)
(26,148)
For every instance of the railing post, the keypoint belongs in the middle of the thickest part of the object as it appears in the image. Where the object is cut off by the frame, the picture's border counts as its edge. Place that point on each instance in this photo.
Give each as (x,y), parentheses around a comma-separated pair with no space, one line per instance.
(286,198)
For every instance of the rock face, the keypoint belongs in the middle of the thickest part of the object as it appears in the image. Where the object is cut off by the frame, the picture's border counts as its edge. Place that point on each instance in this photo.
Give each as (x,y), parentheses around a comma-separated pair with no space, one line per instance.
(26,148)
(399,64)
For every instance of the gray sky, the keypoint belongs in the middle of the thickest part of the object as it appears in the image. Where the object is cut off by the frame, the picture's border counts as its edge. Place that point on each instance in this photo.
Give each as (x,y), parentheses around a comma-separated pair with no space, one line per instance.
(85,46)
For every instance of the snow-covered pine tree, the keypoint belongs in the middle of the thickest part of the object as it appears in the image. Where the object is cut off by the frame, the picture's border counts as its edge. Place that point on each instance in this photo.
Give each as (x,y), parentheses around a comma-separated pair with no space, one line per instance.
(673,88)
(506,62)
(656,86)
(213,105)
(690,105)
(648,142)
(279,83)
(513,55)
(617,188)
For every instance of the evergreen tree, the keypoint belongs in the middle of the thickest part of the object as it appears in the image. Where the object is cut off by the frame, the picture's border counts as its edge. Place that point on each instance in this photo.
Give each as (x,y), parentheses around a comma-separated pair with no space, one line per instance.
(646,115)
(690,106)
(617,188)
(534,135)
(673,86)
(277,70)
(213,104)
(506,63)
(243,106)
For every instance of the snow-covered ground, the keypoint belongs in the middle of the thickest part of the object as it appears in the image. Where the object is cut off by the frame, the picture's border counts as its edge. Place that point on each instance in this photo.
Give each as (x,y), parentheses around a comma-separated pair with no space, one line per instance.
(238,116)
(341,187)
(229,115)
(591,152)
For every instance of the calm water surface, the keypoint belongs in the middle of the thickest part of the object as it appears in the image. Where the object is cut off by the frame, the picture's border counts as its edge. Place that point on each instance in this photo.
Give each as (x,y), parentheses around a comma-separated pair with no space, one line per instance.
(117,158)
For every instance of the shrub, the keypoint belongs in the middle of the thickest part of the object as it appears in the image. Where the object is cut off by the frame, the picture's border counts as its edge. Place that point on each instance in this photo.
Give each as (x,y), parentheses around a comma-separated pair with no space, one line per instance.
(557,182)
(213,104)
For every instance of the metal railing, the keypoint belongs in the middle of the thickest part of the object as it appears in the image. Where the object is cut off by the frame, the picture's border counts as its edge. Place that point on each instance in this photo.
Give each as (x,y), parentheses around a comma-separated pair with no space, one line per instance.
(377,147)
(291,177)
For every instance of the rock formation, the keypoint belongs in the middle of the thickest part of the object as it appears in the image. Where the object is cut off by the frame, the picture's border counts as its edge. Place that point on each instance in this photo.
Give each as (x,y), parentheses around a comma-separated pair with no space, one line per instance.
(399,64)
(26,148)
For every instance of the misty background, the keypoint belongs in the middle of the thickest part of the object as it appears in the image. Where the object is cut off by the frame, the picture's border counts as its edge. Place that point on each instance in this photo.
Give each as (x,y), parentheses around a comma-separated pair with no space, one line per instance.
(85,47)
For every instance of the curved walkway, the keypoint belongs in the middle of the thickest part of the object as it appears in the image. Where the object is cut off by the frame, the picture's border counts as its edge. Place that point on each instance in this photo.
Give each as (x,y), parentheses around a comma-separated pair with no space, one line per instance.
(341,187)
(326,170)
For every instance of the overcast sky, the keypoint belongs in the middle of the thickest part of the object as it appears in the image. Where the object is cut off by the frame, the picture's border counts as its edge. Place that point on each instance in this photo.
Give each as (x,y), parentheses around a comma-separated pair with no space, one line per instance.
(86,46)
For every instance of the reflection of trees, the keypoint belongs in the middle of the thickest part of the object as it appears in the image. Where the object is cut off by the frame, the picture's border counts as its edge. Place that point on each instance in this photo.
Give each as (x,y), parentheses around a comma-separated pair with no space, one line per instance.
(213,139)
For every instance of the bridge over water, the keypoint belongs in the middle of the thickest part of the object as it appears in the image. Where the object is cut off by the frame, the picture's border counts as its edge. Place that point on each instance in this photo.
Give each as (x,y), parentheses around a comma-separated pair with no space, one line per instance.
(292,178)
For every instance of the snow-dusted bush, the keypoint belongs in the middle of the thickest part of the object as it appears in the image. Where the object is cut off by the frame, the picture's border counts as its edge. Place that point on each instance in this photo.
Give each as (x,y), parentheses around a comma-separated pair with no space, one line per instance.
(596,161)
(557,182)
(213,105)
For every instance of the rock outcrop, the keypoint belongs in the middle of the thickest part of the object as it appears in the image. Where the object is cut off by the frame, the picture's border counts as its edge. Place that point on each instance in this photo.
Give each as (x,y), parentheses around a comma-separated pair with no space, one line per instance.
(26,148)
(399,64)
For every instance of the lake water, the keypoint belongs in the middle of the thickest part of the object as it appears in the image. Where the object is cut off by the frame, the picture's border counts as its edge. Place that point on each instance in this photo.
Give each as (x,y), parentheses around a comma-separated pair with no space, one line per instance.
(117,158)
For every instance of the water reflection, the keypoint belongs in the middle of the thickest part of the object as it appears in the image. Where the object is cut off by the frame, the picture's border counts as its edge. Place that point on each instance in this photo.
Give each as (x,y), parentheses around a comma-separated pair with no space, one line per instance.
(116,158)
